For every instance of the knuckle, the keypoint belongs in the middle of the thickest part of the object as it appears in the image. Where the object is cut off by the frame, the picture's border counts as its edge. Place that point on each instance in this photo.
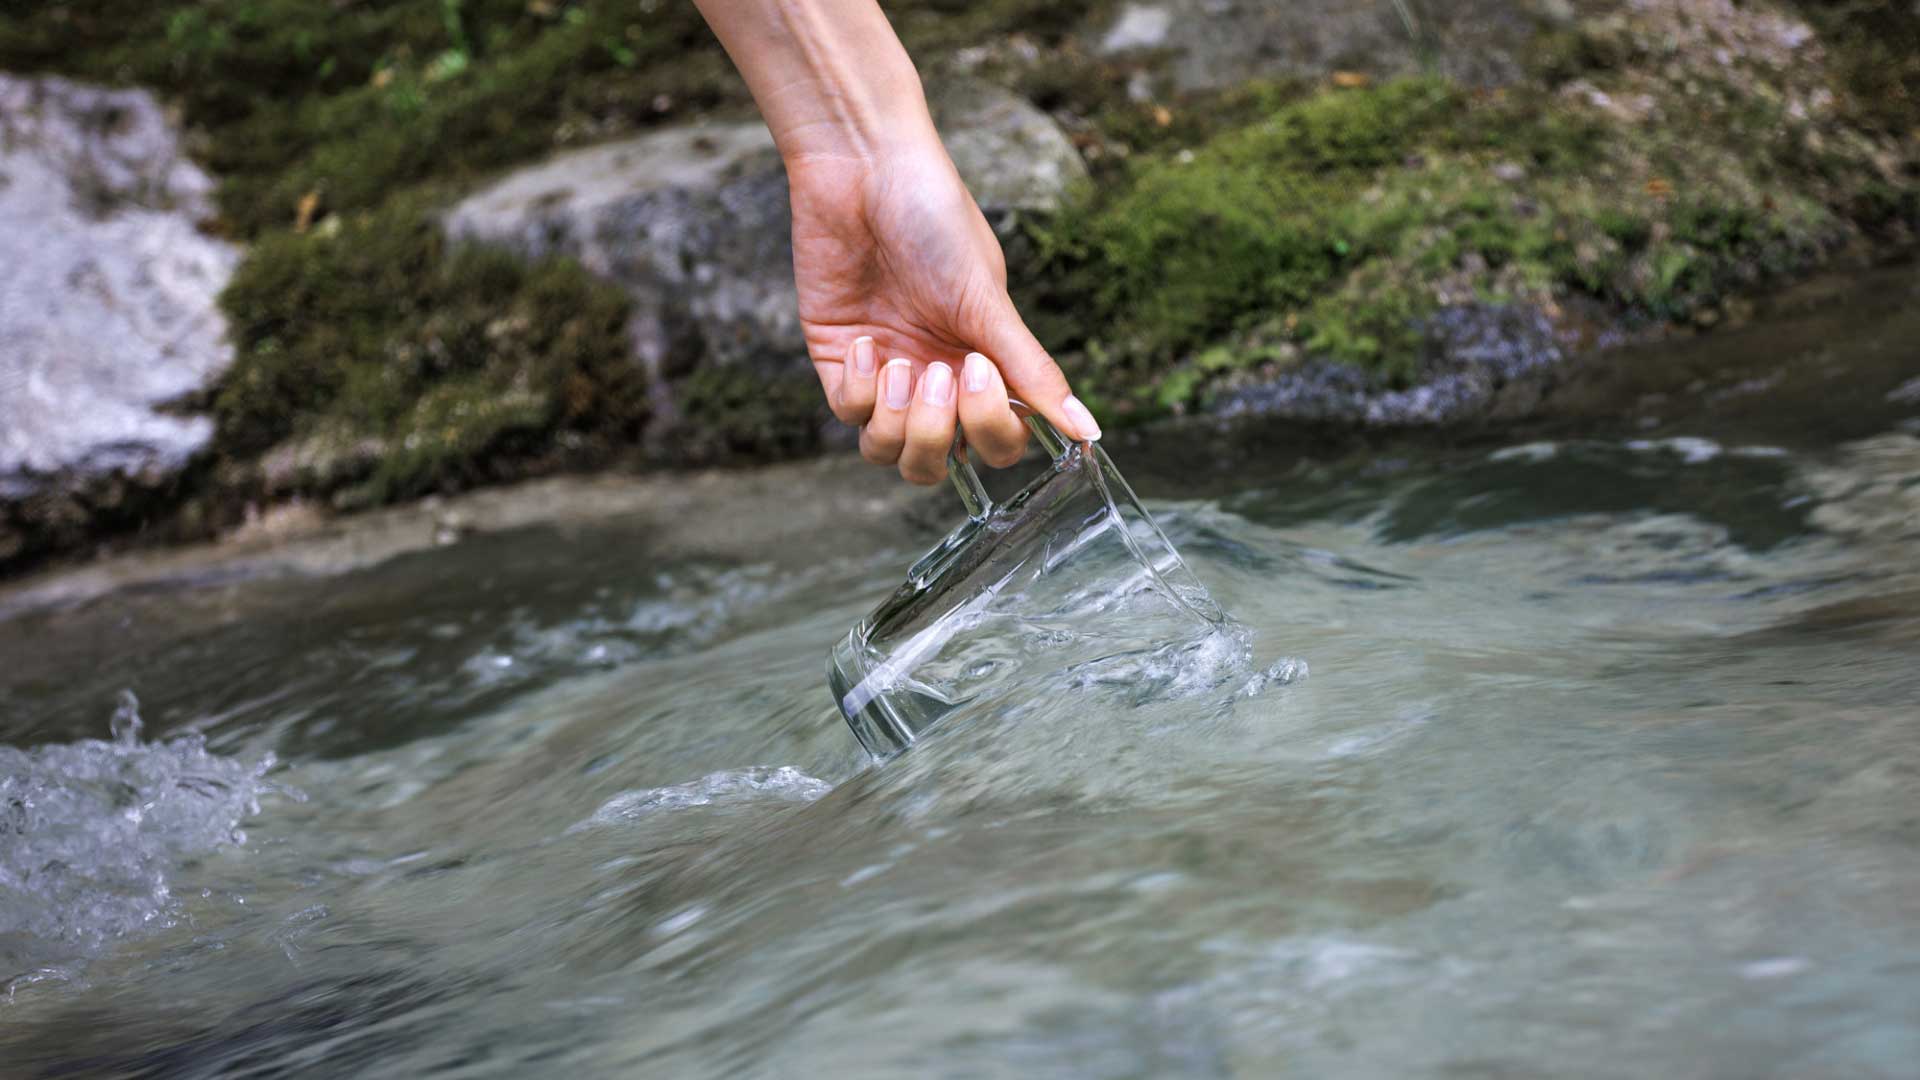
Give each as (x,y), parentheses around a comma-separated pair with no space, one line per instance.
(930,434)
(929,437)
(980,301)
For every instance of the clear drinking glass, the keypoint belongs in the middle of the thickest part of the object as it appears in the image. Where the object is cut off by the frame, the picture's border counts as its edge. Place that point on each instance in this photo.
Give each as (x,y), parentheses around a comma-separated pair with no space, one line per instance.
(1070,576)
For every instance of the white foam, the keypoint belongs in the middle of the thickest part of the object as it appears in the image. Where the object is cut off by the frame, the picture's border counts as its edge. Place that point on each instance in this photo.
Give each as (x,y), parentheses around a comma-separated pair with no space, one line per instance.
(785,783)
(1532,453)
(1283,672)
(1692,449)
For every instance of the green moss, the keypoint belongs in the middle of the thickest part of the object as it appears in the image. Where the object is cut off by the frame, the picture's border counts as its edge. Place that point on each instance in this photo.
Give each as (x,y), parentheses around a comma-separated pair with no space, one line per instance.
(451,361)
(1270,217)
(1370,319)
(1200,242)
(729,415)
(1336,224)
(355,102)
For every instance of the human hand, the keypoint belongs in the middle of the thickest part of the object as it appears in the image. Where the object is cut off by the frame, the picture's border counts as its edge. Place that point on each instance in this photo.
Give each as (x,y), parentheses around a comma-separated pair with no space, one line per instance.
(903,299)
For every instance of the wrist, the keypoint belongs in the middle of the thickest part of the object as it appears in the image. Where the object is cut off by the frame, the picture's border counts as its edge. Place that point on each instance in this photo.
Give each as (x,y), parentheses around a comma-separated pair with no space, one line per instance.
(831,78)
(861,118)
(851,111)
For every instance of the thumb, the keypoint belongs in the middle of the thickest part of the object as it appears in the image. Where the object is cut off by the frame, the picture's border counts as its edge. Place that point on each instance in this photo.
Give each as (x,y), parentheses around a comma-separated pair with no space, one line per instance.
(1030,374)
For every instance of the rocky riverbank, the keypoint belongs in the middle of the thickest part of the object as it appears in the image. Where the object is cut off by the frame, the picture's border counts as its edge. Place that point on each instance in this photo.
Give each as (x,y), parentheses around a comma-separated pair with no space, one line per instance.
(108,311)
(333,256)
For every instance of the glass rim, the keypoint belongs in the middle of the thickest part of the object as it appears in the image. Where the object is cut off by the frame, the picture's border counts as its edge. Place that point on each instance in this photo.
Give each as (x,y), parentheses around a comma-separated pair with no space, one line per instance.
(1119,497)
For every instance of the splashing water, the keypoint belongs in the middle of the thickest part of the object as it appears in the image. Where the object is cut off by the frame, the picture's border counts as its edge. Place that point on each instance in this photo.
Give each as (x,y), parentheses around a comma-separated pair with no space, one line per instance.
(91,833)
(1176,670)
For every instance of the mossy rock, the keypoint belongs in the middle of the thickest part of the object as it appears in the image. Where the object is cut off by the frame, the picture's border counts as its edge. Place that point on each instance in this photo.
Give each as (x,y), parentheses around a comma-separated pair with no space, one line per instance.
(350,104)
(376,360)
(452,360)
(1340,222)
(1203,45)
(1245,230)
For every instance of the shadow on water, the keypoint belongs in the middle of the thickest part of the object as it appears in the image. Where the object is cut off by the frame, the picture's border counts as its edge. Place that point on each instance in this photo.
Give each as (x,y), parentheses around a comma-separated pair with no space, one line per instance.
(1747,494)
(1826,363)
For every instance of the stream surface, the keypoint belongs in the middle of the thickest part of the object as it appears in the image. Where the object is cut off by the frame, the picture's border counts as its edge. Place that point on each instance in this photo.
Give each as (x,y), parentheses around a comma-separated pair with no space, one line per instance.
(1607,764)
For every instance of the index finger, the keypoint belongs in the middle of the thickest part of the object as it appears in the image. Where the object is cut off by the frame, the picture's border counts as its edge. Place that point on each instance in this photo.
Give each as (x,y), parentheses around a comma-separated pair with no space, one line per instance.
(1035,379)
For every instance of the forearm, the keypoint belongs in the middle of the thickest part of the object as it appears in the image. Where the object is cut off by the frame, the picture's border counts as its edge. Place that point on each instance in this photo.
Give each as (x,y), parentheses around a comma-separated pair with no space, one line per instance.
(830,76)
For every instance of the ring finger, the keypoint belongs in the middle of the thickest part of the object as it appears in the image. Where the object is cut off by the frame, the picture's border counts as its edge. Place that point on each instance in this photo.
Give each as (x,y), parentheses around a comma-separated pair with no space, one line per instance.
(929,427)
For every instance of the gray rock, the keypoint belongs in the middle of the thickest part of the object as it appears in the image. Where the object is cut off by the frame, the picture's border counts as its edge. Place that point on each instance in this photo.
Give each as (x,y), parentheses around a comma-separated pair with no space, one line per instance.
(1210,44)
(107,304)
(1138,27)
(1014,157)
(694,223)
(1473,350)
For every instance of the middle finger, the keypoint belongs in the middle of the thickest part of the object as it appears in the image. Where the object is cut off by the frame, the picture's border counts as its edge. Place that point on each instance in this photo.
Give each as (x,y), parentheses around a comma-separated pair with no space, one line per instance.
(886,431)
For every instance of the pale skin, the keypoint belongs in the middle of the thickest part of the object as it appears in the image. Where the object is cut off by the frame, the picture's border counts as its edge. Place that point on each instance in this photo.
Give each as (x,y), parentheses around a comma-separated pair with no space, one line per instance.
(903,286)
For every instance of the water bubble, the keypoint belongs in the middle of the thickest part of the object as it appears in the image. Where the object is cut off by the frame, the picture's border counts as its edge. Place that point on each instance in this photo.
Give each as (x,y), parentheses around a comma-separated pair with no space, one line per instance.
(1778,967)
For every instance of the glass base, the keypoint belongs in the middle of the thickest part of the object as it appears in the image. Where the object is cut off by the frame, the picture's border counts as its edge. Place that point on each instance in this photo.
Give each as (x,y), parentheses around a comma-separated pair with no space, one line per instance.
(881,727)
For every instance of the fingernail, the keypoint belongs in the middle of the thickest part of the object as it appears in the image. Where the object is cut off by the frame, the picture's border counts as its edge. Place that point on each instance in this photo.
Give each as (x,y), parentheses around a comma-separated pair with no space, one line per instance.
(936,386)
(863,357)
(975,372)
(1083,421)
(899,380)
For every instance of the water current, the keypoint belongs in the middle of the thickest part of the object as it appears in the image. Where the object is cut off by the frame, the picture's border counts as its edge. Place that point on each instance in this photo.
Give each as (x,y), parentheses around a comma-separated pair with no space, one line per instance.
(1608,765)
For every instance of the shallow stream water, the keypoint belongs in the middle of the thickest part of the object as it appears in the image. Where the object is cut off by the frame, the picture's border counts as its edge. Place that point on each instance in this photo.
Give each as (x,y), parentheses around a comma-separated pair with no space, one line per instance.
(1608,764)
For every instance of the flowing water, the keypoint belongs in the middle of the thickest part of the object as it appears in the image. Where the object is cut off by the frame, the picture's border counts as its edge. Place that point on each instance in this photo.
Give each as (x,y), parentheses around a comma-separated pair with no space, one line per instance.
(1608,764)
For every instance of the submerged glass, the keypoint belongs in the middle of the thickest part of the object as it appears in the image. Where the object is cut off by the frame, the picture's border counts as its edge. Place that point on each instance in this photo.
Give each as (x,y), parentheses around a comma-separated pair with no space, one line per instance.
(1070,574)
